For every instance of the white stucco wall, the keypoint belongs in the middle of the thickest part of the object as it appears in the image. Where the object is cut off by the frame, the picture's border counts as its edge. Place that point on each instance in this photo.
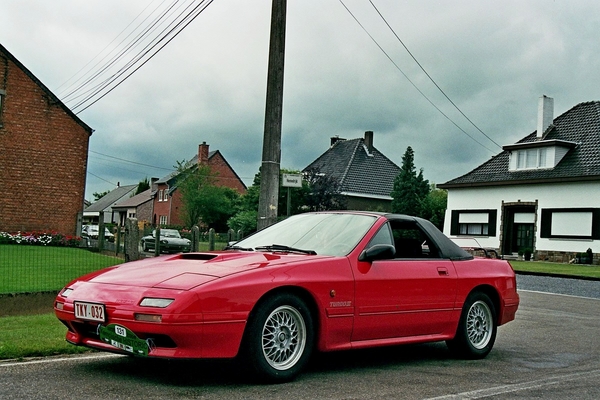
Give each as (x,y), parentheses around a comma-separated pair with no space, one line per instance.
(559,195)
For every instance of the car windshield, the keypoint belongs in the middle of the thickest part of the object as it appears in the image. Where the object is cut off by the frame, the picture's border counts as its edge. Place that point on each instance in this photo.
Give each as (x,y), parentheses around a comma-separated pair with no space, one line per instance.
(170,233)
(334,234)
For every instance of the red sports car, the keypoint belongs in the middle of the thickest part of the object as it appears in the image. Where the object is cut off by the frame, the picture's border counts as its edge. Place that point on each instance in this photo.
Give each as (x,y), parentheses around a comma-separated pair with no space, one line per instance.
(317,281)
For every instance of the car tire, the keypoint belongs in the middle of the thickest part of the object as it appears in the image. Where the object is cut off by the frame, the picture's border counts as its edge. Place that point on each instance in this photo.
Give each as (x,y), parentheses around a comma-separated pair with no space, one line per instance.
(279,339)
(477,328)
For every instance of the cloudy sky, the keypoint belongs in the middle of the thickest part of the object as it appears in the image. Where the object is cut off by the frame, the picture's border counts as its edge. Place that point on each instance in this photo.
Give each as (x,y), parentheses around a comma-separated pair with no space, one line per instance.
(493,59)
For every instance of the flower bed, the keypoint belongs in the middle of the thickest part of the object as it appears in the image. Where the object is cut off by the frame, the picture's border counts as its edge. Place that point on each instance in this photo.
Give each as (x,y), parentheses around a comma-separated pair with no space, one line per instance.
(40,239)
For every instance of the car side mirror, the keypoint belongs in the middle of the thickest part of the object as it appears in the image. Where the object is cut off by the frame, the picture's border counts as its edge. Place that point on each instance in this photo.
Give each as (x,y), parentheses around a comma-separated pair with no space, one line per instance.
(378,252)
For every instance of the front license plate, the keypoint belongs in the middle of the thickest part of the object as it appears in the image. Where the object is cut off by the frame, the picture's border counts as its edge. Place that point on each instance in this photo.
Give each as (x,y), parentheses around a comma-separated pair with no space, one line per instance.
(124,339)
(90,311)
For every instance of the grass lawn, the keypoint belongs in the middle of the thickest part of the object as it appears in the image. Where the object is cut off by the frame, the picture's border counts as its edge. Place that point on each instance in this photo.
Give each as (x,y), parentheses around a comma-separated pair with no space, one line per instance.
(41,268)
(575,270)
(34,336)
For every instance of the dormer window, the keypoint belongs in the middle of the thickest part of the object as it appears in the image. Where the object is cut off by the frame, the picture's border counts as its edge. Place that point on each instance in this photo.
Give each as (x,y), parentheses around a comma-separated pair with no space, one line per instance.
(537,155)
(531,158)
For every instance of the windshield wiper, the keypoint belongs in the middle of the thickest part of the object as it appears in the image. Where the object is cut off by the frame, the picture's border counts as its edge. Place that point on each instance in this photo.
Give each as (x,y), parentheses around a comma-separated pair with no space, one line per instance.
(281,247)
(234,247)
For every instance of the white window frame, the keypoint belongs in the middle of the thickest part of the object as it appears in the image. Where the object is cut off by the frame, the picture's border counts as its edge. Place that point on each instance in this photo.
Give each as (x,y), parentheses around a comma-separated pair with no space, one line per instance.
(528,159)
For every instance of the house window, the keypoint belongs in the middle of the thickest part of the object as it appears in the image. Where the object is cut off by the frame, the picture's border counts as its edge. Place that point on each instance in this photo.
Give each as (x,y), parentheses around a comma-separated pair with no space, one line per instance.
(165,196)
(531,158)
(570,223)
(160,195)
(473,222)
(473,229)
(162,220)
(542,157)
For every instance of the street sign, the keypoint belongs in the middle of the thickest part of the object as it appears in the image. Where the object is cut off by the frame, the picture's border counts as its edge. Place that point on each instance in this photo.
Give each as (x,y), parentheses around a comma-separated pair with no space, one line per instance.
(292,180)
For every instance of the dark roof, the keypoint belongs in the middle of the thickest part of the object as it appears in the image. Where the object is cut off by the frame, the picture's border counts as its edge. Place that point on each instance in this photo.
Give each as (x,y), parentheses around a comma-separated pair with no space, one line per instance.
(359,172)
(134,201)
(109,199)
(51,96)
(579,125)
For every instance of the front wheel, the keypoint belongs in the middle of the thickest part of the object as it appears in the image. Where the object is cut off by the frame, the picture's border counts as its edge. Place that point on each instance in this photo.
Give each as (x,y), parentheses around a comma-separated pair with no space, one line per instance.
(477,328)
(279,338)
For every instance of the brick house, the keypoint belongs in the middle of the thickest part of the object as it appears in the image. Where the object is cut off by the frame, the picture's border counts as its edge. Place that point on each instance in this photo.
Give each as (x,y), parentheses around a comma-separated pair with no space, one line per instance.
(43,154)
(167,201)
(365,175)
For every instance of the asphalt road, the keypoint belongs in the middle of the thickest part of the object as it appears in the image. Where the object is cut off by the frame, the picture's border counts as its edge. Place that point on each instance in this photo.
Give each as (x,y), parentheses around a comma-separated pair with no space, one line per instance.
(551,351)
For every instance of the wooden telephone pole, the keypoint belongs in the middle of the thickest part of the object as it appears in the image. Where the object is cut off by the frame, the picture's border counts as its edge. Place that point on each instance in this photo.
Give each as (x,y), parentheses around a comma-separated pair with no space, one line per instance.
(271,156)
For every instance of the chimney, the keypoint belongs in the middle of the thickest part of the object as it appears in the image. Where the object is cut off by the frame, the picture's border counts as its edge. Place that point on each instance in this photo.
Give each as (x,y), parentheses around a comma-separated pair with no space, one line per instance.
(545,115)
(153,184)
(203,154)
(335,139)
(369,141)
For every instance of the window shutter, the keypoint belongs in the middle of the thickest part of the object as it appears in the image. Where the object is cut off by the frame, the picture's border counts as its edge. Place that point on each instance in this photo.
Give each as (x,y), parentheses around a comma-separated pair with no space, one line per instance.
(492,222)
(546,223)
(454,222)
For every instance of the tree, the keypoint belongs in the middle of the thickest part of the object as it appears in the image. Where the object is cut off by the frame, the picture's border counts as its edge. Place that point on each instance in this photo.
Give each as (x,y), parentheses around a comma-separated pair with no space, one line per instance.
(202,200)
(410,190)
(324,192)
(318,192)
(99,195)
(435,206)
(143,186)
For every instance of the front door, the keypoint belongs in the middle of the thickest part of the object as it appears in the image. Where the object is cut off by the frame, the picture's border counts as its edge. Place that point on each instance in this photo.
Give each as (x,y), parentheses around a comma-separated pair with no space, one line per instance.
(523,237)
(518,229)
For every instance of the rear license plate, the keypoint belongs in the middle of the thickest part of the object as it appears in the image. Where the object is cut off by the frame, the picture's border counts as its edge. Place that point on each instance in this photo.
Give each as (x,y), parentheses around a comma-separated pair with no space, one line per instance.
(90,311)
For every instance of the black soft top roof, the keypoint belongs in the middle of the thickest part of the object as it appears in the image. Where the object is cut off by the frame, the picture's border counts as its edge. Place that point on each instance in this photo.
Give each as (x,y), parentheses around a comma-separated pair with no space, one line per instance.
(447,248)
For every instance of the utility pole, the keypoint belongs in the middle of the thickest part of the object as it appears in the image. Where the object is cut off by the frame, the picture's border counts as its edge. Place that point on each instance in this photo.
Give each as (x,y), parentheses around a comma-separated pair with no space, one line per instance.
(271,156)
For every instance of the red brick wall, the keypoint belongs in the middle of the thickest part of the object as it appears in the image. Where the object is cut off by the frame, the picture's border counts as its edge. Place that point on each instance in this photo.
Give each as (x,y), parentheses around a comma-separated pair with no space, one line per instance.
(43,158)
(173,206)
(225,175)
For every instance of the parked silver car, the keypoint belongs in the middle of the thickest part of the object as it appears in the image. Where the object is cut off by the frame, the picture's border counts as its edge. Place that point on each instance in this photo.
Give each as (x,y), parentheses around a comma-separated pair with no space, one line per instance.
(92,232)
(170,242)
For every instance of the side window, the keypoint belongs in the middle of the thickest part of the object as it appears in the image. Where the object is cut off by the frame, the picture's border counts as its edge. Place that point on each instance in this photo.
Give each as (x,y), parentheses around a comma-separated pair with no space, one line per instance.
(383,236)
(411,242)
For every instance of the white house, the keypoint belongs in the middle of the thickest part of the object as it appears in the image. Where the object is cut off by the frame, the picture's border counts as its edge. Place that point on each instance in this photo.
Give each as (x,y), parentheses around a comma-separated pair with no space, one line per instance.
(542,192)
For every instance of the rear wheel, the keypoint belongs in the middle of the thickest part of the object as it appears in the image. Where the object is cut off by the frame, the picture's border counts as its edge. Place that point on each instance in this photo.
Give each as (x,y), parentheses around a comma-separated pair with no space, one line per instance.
(477,328)
(279,338)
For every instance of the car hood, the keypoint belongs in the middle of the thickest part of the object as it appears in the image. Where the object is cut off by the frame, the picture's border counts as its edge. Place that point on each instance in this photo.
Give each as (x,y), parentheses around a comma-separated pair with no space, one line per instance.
(185,271)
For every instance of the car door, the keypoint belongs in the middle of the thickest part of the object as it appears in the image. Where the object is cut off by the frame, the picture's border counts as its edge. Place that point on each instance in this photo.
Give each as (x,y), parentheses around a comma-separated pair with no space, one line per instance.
(412,294)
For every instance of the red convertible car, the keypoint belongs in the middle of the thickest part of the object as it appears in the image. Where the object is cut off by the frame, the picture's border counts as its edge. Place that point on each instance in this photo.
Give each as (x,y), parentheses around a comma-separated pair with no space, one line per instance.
(316,281)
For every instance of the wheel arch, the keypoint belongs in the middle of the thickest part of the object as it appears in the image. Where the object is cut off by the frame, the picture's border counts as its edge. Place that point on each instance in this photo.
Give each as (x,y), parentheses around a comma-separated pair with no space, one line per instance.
(494,296)
(301,293)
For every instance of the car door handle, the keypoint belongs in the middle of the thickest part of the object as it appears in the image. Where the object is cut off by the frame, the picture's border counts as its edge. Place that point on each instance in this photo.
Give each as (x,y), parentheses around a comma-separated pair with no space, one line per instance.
(442,271)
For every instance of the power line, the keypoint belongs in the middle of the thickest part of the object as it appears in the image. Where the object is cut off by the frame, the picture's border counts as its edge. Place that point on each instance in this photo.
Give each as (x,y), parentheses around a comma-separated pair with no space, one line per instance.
(429,76)
(90,93)
(410,81)
(63,98)
(131,162)
(137,40)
